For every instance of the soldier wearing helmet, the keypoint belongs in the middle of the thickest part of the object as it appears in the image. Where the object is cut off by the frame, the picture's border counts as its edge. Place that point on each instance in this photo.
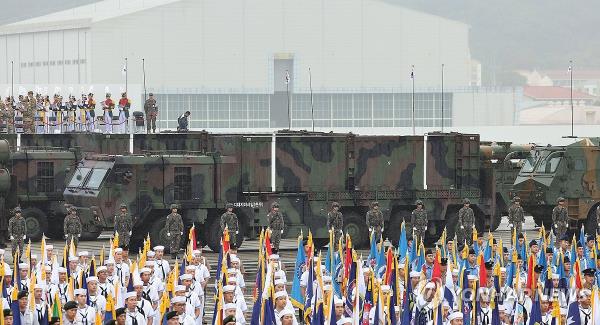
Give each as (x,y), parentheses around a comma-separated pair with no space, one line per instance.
(418,220)
(17,231)
(374,219)
(335,222)
(229,219)
(560,218)
(276,225)
(466,223)
(174,227)
(72,226)
(123,226)
(516,216)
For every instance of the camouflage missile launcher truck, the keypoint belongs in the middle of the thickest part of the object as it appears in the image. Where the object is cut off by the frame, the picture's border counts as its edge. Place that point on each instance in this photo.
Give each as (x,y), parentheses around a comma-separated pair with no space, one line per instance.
(304,172)
(34,179)
(571,172)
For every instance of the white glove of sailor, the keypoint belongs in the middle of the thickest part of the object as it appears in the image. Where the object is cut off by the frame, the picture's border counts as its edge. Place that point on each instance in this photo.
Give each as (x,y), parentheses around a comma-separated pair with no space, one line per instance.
(24,236)
(11,237)
(168,234)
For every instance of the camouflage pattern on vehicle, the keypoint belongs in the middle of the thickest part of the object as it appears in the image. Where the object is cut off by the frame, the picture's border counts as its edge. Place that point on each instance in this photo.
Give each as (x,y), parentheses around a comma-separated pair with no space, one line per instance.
(572,172)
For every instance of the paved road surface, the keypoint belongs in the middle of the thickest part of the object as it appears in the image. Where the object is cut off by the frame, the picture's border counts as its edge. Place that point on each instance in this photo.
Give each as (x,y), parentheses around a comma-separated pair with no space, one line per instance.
(248,256)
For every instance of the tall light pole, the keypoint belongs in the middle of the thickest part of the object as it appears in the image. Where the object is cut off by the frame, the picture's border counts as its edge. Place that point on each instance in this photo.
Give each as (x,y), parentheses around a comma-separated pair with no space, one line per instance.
(412,77)
(287,90)
(442,97)
(571,100)
(312,106)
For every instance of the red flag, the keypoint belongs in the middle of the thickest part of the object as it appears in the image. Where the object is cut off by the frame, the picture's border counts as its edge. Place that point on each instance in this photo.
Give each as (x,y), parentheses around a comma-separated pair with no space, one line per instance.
(225,241)
(268,242)
(577,274)
(482,271)
(348,260)
(389,266)
(193,237)
(530,274)
(436,273)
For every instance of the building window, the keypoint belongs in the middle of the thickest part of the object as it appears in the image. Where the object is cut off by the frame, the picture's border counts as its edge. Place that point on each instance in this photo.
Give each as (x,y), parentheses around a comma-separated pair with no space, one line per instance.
(182,183)
(45,177)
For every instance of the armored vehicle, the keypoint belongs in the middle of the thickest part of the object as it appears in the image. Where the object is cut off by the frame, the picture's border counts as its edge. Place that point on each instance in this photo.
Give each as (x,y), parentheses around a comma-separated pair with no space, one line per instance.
(34,178)
(571,172)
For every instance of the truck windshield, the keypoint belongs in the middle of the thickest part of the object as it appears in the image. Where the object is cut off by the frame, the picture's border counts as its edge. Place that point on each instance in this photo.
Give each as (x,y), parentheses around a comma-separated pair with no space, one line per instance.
(96,178)
(548,165)
(79,176)
(528,165)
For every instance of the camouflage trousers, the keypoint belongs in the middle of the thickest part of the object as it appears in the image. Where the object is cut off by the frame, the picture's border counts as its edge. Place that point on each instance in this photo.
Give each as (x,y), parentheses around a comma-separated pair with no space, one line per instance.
(337,234)
(517,228)
(560,230)
(418,236)
(377,232)
(463,235)
(28,126)
(74,237)
(174,242)
(275,238)
(18,243)
(124,240)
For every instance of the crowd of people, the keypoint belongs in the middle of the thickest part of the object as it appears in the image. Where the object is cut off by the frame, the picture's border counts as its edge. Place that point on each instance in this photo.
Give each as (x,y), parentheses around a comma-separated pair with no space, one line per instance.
(467,279)
(42,114)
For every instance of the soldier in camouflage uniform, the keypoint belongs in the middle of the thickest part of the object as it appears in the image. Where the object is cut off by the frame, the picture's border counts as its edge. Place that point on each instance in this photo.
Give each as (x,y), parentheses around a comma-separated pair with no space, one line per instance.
(174,227)
(276,224)
(418,220)
(17,231)
(123,226)
(72,226)
(374,220)
(29,108)
(516,216)
(466,222)
(230,220)
(335,222)
(560,218)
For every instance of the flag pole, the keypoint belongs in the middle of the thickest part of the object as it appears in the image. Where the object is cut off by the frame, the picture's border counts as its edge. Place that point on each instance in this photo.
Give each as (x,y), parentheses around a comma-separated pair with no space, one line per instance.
(287,90)
(571,101)
(12,80)
(126,74)
(144,74)
(442,98)
(412,77)
(312,106)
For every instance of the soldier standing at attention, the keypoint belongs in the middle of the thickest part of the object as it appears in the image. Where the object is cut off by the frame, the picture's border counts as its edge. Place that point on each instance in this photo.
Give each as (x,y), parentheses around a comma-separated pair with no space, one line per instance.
(466,221)
(374,219)
(174,228)
(230,220)
(72,226)
(17,231)
(276,224)
(560,218)
(516,216)
(29,109)
(151,111)
(123,226)
(335,222)
(418,220)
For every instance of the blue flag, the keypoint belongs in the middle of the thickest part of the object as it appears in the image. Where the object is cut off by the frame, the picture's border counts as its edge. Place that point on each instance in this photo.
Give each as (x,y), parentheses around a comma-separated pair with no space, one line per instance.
(535,316)
(374,253)
(296,295)
(407,304)
(319,318)
(348,302)
(257,307)
(269,315)
(403,244)
(573,313)
(14,307)
(309,292)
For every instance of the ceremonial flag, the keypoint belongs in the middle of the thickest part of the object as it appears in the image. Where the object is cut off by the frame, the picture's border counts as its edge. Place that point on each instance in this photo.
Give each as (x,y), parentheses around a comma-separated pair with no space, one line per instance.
(595,306)
(332,320)
(350,285)
(110,312)
(373,253)
(369,300)
(577,274)
(268,242)
(573,313)
(530,273)
(535,315)
(407,304)
(482,271)
(403,244)
(318,319)
(192,237)
(420,257)
(309,291)
(436,273)
(389,267)
(14,307)
(378,309)
(296,295)
(257,308)
(393,299)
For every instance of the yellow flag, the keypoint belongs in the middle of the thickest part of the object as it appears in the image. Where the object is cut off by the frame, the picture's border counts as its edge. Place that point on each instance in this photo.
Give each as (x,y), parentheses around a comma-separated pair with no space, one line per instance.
(43,253)
(98,318)
(116,240)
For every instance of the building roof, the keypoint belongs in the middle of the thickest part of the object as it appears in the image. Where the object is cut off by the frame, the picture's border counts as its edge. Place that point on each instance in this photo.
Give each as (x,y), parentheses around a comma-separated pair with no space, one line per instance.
(578,74)
(553,93)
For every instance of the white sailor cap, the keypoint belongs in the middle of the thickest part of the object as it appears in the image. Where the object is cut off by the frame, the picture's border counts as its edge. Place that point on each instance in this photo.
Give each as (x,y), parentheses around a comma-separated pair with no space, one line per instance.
(338,301)
(280,274)
(7,270)
(130,294)
(471,277)
(366,269)
(286,312)
(180,288)
(228,288)
(159,248)
(33,256)
(344,320)
(91,278)
(455,315)
(23,266)
(280,294)
(47,268)
(231,280)
(193,268)
(118,250)
(430,285)
(40,286)
(327,287)
(2,251)
(229,306)
(455,272)
(385,288)
(415,274)
(326,278)
(149,263)
(80,292)
(185,277)
(555,276)
(234,258)
(279,281)
(145,270)
(150,254)
(544,298)
(446,303)
(501,307)
(49,247)
(101,269)
(138,283)
(585,293)
(196,252)
(274,257)
(109,261)
(502,269)
(401,265)
(84,253)
(177,300)
(61,269)
(73,259)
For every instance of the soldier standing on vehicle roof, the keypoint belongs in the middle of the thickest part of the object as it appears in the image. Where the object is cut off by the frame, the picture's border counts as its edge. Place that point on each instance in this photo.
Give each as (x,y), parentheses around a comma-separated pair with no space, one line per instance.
(123,226)
(276,224)
(418,220)
(174,228)
(230,220)
(374,220)
(72,226)
(466,222)
(560,218)
(516,216)
(335,222)
(17,231)
(151,111)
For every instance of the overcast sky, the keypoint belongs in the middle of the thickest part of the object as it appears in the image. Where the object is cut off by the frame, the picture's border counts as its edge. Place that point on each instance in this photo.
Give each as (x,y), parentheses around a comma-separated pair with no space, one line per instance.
(15,10)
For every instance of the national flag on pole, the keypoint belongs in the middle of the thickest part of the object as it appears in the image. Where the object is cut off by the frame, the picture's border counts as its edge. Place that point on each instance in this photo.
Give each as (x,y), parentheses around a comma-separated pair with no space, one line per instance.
(412,72)
(287,77)
(124,69)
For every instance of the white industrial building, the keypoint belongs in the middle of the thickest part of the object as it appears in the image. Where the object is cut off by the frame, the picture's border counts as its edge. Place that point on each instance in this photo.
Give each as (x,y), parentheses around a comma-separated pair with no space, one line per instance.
(226,61)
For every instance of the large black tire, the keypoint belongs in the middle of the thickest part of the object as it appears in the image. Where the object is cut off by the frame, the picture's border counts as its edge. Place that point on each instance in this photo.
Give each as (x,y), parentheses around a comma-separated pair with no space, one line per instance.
(393,229)
(356,227)
(36,223)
